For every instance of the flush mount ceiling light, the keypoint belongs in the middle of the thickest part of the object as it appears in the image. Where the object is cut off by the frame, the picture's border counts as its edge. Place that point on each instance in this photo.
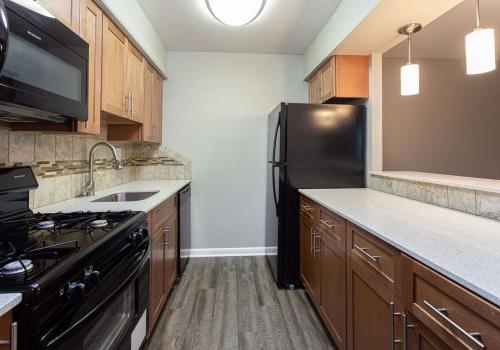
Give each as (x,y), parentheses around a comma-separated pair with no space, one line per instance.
(235,12)
(410,72)
(480,48)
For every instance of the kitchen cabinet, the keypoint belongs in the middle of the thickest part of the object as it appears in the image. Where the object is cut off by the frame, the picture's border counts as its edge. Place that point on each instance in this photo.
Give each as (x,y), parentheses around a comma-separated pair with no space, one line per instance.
(459,318)
(91,25)
(163,224)
(315,88)
(372,304)
(6,332)
(341,77)
(371,296)
(152,112)
(332,296)
(309,262)
(114,59)
(66,11)
(134,83)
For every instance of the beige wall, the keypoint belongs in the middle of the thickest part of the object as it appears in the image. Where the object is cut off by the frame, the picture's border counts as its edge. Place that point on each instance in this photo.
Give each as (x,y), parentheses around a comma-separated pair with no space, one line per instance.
(451,127)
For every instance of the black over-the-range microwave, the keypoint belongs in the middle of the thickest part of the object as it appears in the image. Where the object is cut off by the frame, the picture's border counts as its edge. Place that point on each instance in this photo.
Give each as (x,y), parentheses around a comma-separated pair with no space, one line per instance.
(43,66)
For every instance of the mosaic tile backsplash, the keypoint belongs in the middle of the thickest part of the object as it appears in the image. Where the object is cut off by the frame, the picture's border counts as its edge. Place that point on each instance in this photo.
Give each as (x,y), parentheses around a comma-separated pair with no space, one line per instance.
(60,163)
(477,202)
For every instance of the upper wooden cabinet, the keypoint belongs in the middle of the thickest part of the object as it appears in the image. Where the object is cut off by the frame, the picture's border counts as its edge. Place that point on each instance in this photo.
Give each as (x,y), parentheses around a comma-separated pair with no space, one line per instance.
(114,59)
(342,76)
(67,11)
(91,30)
(152,112)
(157,117)
(134,83)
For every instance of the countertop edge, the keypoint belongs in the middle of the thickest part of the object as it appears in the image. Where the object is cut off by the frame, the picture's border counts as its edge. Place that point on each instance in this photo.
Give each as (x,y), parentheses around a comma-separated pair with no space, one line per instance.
(8,301)
(457,279)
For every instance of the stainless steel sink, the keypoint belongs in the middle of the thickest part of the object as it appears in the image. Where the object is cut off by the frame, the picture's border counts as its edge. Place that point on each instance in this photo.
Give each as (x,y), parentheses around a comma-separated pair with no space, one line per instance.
(126,196)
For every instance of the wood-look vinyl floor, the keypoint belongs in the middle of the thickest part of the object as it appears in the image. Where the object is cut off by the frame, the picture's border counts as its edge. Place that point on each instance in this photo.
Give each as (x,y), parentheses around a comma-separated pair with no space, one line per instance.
(232,303)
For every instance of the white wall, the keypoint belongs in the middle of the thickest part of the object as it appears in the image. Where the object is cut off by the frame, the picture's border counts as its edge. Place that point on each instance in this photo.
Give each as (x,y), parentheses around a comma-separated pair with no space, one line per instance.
(343,21)
(216,107)
(137,25)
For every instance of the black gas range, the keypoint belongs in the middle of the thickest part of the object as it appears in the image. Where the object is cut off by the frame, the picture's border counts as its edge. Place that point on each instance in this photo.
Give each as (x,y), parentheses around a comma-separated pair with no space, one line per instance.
(84,276)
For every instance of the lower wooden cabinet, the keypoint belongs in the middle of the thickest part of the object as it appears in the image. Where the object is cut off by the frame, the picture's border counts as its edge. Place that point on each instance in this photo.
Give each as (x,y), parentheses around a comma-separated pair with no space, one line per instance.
(163,225)
(6,333)
(371,296)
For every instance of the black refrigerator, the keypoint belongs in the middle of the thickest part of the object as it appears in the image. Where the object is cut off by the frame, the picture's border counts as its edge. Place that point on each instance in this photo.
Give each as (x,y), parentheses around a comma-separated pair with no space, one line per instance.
(308,146)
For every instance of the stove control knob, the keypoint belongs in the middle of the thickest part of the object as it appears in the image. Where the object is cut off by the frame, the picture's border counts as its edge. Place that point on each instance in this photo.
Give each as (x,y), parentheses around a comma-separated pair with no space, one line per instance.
(91,276)
(75,290)
(137,237)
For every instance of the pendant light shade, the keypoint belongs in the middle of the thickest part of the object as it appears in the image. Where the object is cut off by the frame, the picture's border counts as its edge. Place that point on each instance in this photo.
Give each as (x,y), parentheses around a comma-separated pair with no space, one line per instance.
(235,12)
(410,72)
(410,79)
(480,53)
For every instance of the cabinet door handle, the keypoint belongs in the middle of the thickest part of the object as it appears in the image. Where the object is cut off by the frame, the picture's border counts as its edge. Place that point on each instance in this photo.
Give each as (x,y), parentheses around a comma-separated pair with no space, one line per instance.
(306,207)
(132,106)
(154,133)
(327,224)
(374,258)
(317,250)
(473,337)
(312,242)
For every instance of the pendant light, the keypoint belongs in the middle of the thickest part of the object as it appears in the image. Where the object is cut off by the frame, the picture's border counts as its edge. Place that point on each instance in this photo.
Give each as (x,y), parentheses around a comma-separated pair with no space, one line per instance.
(235,13)
(410,72)
(480,48)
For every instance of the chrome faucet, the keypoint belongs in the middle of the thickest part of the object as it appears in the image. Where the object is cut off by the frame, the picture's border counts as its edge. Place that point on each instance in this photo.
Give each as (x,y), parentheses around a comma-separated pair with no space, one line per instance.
(90,187)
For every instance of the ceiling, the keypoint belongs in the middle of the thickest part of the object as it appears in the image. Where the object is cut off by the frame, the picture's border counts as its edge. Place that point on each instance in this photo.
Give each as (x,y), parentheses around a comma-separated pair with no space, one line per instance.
(284,26)
(444,38)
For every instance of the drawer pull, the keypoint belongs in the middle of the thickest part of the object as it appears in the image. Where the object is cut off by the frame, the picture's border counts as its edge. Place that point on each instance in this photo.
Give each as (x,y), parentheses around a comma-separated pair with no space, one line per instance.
(306,207)
(328,224)
(374,258)
(473,337)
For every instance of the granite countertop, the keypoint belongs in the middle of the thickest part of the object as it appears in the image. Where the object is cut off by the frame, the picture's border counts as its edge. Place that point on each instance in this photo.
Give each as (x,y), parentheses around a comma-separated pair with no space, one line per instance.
(8,301)
(463,247)
(166,189)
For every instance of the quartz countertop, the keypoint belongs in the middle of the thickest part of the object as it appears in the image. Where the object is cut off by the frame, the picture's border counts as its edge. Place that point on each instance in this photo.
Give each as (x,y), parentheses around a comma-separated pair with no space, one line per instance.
(166,189)
(8,301)
(462,247)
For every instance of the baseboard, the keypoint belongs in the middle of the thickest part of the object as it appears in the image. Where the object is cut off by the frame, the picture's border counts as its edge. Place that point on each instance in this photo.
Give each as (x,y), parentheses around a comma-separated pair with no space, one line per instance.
(247,251)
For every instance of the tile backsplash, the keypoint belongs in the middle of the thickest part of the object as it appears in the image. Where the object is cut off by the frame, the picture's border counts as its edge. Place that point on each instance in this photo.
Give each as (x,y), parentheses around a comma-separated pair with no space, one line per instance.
(60,163)
(442,190)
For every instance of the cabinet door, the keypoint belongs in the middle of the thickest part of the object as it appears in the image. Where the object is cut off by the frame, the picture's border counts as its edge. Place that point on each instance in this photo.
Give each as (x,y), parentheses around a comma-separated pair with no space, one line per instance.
(421,338)
(67,11)
(134,83)
(351,76)
(157,108)
(371,297)
(114,54)
(5,331)
(147,115)
(327,73)
(157,282)
(333,290)
(91,30)
(308,261)
(315,89)
(171,252)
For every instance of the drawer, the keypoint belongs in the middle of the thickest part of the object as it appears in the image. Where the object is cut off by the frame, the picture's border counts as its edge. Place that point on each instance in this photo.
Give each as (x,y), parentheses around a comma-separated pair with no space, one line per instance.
(458,317)
(368,249)
(308,207)
(162,212)
(332,226)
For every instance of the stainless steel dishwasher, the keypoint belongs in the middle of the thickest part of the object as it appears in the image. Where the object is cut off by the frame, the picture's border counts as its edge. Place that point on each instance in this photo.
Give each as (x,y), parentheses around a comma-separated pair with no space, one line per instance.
(184,228)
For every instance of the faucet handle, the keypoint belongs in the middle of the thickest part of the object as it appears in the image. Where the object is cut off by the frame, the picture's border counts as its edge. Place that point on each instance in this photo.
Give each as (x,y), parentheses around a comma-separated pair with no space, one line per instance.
(118,164)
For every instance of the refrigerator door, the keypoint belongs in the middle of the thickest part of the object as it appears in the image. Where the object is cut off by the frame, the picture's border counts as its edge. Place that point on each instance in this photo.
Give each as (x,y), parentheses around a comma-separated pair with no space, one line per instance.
(275,166)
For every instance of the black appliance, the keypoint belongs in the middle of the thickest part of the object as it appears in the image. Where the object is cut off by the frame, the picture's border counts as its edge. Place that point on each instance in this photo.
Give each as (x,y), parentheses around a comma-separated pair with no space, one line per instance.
(84,276)
(184,228)
(43,67)
(308,146)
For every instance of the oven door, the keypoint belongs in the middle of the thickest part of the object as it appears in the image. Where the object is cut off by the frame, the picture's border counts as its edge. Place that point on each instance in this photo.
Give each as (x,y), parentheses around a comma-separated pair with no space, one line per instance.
(113,317)
(44,71)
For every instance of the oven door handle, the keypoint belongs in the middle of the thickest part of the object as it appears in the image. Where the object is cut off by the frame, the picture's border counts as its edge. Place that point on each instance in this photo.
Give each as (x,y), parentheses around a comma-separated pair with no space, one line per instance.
(123,285)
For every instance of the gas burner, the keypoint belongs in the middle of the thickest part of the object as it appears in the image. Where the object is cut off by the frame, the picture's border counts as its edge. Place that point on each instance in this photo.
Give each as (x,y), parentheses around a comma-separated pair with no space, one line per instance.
(99,223)
(48,224)
(17,267)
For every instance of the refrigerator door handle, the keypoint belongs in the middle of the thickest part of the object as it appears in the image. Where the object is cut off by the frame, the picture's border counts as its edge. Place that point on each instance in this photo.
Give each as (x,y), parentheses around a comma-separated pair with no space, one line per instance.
(277,164)
(274,191)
